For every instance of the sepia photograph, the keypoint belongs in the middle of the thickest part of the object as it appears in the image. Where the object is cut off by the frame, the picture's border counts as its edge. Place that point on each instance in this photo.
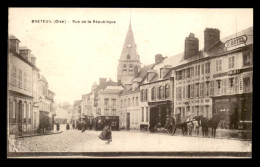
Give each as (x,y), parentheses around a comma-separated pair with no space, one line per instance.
(129,83)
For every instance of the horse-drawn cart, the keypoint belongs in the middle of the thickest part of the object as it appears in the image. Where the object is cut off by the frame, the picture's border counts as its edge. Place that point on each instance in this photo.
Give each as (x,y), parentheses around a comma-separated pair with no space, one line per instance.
(176,121)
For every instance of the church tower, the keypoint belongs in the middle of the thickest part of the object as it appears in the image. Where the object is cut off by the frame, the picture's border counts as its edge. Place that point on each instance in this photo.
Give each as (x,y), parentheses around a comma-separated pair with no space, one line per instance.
(128,59)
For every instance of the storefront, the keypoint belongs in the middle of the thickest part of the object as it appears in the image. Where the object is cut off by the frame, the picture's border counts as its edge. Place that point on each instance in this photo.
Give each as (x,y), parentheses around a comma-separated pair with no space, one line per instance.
(159,113)
(99,122)
(236,109)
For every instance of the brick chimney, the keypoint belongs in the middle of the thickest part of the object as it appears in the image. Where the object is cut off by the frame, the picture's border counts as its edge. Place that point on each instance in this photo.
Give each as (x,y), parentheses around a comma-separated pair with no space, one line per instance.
(14,44)
(191,46)
(24,52)
(33,60)
(158,58)
(211,36)
(102,81)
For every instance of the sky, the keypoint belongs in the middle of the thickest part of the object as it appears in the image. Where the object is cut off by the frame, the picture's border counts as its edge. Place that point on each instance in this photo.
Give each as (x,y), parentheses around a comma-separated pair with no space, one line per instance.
(72,56)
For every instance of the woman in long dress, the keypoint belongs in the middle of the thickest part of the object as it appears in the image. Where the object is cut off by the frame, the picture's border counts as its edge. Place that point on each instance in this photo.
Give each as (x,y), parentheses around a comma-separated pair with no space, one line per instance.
(106,133)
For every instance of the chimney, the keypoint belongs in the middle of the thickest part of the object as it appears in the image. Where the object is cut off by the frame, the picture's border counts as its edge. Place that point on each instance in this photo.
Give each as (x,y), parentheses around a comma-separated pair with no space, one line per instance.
(33,60)
(24,52)
(211,36)
(158,58)
(14,44)
(102,81)
(191,46)
(94,86)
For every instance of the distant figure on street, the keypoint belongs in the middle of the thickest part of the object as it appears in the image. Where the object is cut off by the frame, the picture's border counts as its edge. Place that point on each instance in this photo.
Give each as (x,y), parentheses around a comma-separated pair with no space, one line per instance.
(83,126)
(106,133)
(67,126)
(58,126)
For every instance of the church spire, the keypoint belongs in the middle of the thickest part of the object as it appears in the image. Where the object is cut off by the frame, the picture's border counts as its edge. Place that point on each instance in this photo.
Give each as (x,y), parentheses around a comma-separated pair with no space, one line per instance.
(129,58)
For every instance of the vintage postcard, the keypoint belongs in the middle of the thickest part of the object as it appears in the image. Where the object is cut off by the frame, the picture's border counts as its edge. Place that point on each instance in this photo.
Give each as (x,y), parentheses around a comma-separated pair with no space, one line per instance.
(130,83)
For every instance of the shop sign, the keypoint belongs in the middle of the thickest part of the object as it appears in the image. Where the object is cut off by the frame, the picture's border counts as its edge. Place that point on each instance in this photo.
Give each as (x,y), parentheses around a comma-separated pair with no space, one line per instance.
(221,100)
(236,41)
(219,75)
(234,72)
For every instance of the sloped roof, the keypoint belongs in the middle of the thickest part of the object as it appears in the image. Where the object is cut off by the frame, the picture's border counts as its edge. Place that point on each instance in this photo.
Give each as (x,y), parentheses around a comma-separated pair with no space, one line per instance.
(144,70)
(218,47)
(13,37)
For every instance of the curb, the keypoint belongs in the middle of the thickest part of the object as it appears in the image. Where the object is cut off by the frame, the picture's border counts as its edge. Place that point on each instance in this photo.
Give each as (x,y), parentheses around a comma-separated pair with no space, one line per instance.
(164,133)
(38,135)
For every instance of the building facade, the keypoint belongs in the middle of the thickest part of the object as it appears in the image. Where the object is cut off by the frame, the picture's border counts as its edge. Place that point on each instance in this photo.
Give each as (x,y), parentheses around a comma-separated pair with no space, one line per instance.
(217,79)
(24,91)
(20,97)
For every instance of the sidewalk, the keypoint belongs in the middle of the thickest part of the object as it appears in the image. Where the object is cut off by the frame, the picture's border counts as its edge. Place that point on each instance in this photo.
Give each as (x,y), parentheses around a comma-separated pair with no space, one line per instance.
(39,134)
(220,133)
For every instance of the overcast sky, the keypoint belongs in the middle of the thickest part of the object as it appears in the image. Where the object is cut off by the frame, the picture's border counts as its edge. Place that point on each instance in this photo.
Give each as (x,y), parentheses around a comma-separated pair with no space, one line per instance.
(73,56)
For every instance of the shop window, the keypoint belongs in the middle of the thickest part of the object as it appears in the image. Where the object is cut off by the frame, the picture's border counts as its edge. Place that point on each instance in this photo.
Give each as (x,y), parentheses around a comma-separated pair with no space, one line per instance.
(247,59)
(147,114)
(247,85)
(142,114)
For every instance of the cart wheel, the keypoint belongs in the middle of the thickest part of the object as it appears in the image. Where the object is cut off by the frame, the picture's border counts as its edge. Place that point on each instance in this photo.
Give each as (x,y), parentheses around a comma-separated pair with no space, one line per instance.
(169,130)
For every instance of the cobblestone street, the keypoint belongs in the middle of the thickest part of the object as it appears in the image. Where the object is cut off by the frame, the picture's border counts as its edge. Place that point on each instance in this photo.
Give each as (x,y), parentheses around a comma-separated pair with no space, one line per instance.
(124,141)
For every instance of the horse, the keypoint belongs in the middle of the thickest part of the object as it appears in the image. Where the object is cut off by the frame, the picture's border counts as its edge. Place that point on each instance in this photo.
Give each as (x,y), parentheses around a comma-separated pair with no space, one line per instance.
(212,123)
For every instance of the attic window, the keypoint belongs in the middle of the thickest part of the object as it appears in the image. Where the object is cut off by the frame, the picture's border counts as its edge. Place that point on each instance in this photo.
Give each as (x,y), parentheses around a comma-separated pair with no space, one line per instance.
(128,57)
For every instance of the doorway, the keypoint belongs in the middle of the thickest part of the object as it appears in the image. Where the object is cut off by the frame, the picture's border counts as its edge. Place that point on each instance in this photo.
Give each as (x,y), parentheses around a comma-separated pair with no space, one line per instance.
(20,118)
(128,121)
(154,113)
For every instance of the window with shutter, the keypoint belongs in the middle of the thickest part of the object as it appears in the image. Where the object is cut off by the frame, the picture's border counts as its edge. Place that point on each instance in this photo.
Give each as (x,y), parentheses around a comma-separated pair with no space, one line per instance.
(183,92)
